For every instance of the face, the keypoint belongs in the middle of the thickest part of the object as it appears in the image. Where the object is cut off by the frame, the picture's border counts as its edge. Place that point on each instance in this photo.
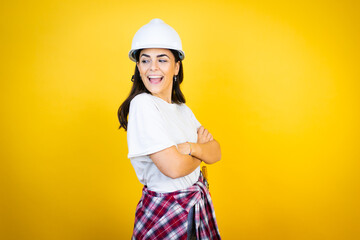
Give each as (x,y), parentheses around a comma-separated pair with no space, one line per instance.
(157,68)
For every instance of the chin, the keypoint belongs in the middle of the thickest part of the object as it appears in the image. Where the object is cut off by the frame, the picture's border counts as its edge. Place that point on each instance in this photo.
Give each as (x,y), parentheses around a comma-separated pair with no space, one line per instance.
(153,90)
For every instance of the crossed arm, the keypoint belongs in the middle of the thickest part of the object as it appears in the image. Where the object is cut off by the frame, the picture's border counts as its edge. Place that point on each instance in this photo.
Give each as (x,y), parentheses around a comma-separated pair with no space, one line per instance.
(176,162)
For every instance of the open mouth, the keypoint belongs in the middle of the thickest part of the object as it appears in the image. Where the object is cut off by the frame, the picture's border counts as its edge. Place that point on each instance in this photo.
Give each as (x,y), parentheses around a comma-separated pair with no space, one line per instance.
(155,79)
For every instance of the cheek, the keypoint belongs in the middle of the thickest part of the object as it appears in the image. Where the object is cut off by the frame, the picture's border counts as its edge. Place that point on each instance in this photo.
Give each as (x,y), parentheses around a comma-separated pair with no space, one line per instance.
(144,80)
(142,68)
(142,73)
(167,70)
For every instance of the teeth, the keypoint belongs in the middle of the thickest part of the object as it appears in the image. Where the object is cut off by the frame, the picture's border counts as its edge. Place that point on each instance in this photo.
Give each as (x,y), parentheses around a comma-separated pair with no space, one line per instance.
(155,76)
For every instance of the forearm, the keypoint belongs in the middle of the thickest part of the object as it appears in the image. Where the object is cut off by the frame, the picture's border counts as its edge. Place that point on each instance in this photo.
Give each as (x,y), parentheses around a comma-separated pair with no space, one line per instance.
(208,152)
(186,165)
(174,164)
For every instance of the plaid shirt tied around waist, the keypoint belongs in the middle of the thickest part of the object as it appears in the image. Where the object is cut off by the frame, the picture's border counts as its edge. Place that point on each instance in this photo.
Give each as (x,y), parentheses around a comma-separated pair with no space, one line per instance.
(164,215)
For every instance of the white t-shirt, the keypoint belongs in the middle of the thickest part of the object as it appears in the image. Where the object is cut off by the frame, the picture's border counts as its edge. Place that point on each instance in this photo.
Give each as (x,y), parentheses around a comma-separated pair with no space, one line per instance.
(154,125)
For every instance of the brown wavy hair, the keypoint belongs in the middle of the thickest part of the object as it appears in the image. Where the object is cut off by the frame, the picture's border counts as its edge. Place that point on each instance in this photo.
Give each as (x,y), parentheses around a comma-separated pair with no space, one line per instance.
(138,87)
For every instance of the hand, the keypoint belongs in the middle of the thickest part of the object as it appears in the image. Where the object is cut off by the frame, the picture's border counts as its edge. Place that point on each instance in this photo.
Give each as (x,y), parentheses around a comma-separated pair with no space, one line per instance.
(204,135)
(184,148)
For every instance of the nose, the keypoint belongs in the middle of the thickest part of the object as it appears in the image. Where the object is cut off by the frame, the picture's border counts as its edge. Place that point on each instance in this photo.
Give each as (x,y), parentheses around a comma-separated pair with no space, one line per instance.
(153,65)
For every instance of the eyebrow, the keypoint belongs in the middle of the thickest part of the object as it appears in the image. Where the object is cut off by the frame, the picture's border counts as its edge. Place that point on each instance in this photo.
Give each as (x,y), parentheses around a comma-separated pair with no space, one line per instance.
(160,55)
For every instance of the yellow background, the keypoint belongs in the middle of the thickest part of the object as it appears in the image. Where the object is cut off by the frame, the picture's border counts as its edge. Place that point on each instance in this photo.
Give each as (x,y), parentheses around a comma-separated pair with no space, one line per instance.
(275,82)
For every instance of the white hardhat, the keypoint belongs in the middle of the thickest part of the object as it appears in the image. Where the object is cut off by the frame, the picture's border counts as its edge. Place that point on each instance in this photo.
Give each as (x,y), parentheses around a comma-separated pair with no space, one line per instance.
(156,34)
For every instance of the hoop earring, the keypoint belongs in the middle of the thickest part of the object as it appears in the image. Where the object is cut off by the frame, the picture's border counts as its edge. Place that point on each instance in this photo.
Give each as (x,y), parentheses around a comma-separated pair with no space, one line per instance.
(132,78)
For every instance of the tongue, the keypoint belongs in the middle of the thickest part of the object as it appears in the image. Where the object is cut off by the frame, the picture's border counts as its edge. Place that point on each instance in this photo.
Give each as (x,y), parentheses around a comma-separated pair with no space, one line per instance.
(155,80)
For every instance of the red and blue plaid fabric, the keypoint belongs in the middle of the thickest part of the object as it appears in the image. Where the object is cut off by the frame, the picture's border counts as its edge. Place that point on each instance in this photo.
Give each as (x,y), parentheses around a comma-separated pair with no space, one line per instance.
(164,215)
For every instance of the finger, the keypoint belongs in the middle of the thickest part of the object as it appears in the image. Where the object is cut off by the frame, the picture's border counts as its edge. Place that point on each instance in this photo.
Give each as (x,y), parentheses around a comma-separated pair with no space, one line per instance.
(203,138)
(206,133)
(211,137)
(208,137)
(201,130)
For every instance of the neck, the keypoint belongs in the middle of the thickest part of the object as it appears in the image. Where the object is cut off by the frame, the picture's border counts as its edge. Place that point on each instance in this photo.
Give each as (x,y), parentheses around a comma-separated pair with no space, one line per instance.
(165,98)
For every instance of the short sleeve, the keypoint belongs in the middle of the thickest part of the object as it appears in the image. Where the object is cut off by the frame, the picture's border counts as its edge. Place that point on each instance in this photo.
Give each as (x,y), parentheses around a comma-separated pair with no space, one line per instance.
(197,123)
(193,118)
(146,130)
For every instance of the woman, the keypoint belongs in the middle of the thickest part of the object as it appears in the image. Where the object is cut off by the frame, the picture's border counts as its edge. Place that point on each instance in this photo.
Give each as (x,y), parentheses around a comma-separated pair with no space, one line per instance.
(166,142)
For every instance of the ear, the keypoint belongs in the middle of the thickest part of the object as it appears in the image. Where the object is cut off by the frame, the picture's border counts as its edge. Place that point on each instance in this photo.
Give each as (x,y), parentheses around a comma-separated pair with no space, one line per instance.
(177,67)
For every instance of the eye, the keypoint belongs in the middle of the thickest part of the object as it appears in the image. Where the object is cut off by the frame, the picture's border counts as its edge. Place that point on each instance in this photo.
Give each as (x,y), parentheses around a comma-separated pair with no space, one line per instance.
(162,60)
(144,61)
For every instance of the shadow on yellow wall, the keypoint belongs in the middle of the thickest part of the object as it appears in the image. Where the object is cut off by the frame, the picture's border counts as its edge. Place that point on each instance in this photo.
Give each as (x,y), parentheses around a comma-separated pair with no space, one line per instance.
(277,84)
